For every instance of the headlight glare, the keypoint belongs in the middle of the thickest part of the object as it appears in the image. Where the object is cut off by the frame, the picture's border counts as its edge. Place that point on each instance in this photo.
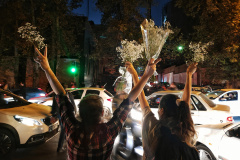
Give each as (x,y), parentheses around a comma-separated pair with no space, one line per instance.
(27,121)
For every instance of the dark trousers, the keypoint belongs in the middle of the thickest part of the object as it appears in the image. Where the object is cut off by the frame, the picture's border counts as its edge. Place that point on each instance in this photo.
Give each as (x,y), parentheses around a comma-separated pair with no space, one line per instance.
(61,137)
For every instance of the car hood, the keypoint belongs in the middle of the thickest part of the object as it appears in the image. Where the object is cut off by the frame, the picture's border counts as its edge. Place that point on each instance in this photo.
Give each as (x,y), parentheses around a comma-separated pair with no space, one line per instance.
(221,107)
(219,126)
(31,110)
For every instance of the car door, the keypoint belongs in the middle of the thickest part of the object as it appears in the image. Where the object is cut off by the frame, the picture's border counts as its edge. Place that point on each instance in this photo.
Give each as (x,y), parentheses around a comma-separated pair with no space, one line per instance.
(194,112)
(231,99)
(229,146)
(198,111)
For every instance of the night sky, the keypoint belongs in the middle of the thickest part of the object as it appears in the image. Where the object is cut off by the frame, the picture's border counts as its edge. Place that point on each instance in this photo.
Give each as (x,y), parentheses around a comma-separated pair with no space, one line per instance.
(95,14)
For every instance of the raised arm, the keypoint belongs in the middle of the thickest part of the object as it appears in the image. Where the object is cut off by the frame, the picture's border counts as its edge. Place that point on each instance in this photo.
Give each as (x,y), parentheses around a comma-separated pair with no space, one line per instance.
(43,62)
(188,85)
(139,85)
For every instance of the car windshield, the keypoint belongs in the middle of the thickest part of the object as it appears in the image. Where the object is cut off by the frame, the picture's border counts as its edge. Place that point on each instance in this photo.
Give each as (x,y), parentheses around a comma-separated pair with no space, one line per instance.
(8,100)
(207,100)
(214,94)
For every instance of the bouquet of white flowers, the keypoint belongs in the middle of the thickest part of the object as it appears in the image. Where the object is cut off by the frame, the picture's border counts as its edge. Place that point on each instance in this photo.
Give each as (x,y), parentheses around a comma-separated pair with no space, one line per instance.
(199,50)
(129,51)
(154,38)
(30,33)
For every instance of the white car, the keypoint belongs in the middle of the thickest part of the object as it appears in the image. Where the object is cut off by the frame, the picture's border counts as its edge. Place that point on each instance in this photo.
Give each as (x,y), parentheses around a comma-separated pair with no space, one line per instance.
(23,123)
(78,94)
(203,110)
(227,97)
(219,141)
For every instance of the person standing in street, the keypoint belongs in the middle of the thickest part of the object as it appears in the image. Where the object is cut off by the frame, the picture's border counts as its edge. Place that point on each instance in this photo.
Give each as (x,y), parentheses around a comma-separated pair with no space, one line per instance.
(89,138)
(56,114)
(173,136)
(4,84)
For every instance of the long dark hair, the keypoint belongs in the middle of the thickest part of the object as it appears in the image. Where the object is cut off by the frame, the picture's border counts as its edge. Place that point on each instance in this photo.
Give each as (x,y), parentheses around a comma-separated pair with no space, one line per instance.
(178,118)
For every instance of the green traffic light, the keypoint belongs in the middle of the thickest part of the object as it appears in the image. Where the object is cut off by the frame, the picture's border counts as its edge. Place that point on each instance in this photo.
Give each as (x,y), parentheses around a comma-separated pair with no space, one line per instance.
(180,48)
(73,69)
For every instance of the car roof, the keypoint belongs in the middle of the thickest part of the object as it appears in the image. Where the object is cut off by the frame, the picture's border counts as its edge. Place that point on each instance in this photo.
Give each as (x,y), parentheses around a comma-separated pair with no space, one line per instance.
(93,88)
(175,92)
(226,90)
(215,126)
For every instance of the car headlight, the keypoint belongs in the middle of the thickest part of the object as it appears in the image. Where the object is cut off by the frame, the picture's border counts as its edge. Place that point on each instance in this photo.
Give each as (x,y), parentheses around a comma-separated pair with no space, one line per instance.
(27,121)
(136,115)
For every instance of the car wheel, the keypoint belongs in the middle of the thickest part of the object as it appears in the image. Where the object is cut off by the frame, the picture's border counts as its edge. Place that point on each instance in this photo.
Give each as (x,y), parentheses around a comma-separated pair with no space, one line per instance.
(7,143)
(205,153)
(124,143)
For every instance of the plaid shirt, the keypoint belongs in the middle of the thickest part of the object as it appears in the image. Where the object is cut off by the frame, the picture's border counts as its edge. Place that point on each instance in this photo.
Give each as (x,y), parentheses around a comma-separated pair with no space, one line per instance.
(102,139)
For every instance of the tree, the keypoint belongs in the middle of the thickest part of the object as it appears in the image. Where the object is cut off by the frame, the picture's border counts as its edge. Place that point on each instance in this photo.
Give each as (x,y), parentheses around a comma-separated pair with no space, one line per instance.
(122,20)
(219,22)
(51,19)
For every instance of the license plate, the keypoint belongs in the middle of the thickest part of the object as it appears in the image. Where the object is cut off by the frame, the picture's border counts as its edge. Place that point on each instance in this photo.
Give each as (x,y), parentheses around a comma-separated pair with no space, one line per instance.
(53,127)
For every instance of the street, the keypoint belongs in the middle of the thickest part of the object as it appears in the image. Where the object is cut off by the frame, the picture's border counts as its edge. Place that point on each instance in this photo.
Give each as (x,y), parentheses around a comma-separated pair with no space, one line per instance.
(46,151)
(41,152)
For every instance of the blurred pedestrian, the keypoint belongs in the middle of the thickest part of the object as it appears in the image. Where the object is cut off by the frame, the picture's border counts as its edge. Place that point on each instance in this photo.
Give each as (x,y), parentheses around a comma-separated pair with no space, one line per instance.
(89,138)
(73,84)
(4,84)
(172,86)
(22,89)
(56,114)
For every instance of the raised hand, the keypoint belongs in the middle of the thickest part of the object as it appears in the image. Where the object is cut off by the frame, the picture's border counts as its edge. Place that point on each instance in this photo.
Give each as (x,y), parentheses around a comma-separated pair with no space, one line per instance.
(130,68)
(151,67)
(42,59)
(192,68)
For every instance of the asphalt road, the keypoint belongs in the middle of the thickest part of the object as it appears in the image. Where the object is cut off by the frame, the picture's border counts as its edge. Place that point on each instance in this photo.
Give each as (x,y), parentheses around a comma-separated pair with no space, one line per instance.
(46,151)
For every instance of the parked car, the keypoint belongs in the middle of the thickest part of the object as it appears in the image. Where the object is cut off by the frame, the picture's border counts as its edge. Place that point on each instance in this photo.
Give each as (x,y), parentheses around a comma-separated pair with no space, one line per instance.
(227,97)
(78,94)
(219,141)
(203,110)
(205,89)
(29,92)
(23,123)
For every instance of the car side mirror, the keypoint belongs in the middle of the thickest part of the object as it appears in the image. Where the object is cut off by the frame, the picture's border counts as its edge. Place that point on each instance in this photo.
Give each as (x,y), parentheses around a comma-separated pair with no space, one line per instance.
(230,133)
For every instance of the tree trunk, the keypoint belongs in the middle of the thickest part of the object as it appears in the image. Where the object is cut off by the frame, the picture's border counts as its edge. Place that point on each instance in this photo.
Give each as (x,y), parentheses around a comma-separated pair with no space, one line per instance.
(36,67)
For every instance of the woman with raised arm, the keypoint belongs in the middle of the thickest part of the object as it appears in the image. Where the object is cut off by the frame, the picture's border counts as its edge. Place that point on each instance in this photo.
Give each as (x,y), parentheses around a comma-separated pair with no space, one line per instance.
(91,139)
(173,136)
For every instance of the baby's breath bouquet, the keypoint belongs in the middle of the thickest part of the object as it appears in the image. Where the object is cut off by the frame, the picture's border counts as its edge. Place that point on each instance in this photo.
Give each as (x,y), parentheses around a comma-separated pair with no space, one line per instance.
(129,51)
(154,38)
(31,35)
(200,50)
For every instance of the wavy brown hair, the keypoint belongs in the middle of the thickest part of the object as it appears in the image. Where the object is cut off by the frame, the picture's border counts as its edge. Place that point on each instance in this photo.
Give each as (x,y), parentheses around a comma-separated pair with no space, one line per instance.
(178,118)
(91,109)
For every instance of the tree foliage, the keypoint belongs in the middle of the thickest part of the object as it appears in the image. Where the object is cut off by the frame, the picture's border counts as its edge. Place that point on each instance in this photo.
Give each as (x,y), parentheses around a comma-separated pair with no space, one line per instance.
(217,21)
(122,20)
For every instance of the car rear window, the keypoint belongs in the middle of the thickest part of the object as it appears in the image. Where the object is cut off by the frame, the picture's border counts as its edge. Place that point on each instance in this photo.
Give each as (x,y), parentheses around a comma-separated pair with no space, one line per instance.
(92,92)
(108,93)
(77,94)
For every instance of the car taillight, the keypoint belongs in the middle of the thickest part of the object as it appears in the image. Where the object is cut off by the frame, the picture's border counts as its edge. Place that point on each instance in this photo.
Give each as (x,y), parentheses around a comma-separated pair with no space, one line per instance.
(229,119)
(40,89)
(110,100)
